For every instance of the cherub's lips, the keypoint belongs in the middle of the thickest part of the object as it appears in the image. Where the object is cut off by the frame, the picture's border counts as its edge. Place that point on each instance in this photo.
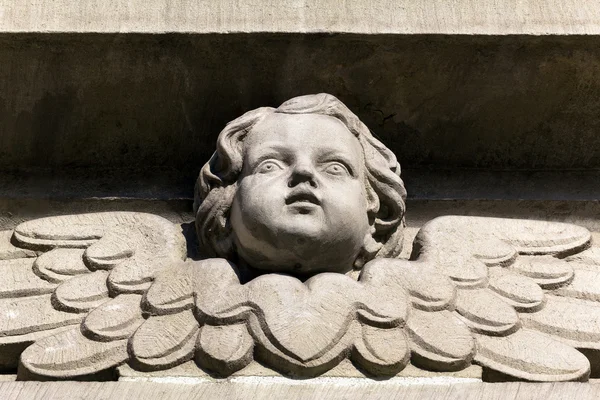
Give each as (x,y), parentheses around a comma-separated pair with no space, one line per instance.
(302,196)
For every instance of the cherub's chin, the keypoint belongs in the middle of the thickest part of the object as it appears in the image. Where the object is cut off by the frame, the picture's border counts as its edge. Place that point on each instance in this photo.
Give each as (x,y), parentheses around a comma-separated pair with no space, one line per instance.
(303,229)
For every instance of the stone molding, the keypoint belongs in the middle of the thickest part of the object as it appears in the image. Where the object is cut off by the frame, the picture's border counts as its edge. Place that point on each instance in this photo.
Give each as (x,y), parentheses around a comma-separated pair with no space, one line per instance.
(484,17)
(276,389)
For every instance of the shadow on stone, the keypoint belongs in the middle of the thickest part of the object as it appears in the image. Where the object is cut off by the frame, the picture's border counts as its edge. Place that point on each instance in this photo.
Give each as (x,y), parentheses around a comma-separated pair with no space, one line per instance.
(106,375)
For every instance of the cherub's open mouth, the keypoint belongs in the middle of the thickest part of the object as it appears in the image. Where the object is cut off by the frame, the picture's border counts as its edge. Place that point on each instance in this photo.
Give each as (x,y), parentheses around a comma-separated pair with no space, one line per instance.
(302,196)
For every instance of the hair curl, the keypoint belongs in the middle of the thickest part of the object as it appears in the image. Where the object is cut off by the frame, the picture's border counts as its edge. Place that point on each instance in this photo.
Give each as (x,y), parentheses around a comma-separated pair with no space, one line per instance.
(217,183)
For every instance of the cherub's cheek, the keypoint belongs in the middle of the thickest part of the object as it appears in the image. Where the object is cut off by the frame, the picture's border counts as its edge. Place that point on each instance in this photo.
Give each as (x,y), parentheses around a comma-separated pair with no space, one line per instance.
(348,187)
(349,195)
(252,182)
(271,182)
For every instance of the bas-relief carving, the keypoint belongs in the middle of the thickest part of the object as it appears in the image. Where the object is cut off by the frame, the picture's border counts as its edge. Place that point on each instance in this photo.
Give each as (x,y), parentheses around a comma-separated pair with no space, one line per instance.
(294,201)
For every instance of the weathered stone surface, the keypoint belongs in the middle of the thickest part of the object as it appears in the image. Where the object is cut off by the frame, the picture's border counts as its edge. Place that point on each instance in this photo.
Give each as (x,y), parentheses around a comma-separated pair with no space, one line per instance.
(583,285)
(379,16)
(574,321)
(267,389)
(21,316)
(12,347)
(525,353)
(19,279)
(382,352)
(59,265)
(548,272)
(590,256)
(9,251)
(70,354)
(478,113)
(518,291)
(34,310)
(300,197)
(345,369)
(158,345)
(165,341)
(305,324)
(440,340)
(116,319)
(224,349)
(82,293)
(429,290)
(484,311)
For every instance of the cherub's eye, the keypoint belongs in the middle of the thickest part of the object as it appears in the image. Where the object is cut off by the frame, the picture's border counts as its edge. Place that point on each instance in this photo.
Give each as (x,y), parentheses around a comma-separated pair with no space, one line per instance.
(336,168)
(268,166)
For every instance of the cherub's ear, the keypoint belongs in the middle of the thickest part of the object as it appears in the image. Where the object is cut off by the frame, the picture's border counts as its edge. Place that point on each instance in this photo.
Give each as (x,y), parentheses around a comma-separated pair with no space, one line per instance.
(372,201)
(370,245)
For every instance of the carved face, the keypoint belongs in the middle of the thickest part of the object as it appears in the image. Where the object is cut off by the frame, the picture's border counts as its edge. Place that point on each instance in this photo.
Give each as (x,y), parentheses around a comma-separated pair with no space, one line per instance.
(300,204)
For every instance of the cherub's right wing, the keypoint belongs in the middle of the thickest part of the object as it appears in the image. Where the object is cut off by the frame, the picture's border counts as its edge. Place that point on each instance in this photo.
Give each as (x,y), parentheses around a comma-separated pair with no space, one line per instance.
(78,281)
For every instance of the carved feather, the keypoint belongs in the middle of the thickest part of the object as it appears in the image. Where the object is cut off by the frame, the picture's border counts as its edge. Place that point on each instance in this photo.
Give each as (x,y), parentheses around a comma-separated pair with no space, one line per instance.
(69,353)
(523,261)
(492,291)
(165,341)
(77,271)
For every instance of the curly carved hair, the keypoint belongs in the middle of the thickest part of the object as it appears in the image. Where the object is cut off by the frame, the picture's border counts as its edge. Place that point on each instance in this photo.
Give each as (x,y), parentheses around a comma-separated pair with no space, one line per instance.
(217,184)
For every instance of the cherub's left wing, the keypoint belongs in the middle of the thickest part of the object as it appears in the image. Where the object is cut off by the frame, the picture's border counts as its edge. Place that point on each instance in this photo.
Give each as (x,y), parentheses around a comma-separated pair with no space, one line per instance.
(76,282)
(529,291)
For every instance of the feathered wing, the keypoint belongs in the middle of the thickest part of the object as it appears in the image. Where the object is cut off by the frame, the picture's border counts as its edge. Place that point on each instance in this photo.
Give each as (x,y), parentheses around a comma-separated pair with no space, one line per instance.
(528,292)
(73,285)
(93,291)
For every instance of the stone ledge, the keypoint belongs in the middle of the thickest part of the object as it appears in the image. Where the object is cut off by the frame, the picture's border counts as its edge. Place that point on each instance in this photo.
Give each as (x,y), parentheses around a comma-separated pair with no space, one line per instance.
(483,17)
(189,371)
(272,388)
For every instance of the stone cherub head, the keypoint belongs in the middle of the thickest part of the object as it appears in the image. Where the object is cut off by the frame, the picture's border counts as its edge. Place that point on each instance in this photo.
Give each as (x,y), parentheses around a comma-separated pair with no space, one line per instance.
(302,188)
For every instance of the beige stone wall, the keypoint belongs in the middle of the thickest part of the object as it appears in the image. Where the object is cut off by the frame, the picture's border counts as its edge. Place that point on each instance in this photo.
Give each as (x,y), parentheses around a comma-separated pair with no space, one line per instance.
(263,389)
(485,17)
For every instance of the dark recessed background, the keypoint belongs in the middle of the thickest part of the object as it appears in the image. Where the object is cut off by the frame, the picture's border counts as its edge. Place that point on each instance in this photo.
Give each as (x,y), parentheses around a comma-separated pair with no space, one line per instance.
(146,103)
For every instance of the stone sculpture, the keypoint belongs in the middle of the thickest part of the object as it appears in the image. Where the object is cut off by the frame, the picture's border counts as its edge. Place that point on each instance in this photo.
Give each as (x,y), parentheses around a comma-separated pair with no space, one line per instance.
(292,202)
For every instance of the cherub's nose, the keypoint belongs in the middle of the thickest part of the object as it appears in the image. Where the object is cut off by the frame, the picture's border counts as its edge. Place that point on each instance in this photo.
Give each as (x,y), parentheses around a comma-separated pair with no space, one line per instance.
(301,173)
